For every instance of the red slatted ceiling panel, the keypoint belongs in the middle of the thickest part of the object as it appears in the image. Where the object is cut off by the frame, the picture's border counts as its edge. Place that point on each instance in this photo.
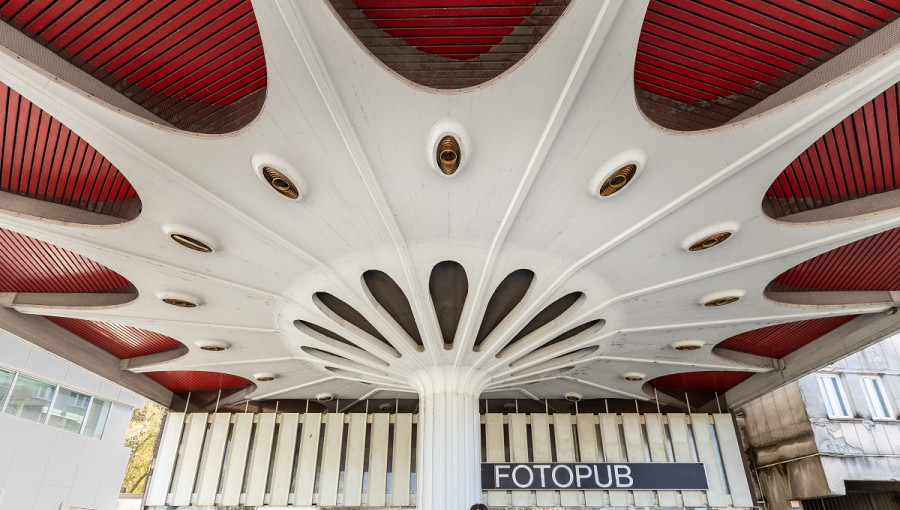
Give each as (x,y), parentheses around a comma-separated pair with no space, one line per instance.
(30,265)
(197,51)
(719,381)
(180,381)
(449,44)
(858,157)
(782,339)
(43,159)
(872,263)
(120,341)
(737,52)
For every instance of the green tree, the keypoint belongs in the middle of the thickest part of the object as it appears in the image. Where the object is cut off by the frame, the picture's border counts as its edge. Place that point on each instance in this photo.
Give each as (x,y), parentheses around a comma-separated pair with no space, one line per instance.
(143,432)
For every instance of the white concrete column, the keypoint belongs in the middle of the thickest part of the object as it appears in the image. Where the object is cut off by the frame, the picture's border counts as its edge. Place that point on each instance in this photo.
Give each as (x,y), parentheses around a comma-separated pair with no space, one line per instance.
(449,437)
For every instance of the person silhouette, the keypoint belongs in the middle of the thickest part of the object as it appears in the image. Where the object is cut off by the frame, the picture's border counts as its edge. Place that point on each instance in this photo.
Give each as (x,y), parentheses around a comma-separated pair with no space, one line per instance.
(479,506)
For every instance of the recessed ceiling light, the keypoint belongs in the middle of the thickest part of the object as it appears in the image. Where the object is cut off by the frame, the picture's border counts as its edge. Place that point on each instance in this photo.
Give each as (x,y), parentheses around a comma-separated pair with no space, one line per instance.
(722,301)
(634,376)
(190,242)
(183,303)
(324,397)
(709,241)
(617,180)
(573,397)
(213,346)
(280,182)
(688,345)
(448,155)
(264,377)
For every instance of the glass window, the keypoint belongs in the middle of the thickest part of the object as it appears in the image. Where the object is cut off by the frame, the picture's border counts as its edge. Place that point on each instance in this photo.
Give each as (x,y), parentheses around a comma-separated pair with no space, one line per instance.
(96,419)
(30,399)
(6,378)
(69,410)
(833,393)
(876,398)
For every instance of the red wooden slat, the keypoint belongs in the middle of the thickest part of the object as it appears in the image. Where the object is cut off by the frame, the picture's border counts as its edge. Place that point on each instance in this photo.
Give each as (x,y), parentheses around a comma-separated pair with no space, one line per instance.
(119,340)
(185,381)
(782,339)
(719,381)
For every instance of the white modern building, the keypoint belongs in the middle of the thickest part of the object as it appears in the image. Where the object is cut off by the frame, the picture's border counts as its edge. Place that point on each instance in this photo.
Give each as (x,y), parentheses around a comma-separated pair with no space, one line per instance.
(461,213)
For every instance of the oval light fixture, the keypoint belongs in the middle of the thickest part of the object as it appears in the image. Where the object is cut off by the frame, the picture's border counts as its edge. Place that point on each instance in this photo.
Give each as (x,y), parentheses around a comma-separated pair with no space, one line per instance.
(709,241)
(573,397)
(213,346)
(280,182)
(722,301)
(264,376)
(448,155)
(183,303)
(617,180)
(688,345)
(634,376)
(324,397)
(190,242)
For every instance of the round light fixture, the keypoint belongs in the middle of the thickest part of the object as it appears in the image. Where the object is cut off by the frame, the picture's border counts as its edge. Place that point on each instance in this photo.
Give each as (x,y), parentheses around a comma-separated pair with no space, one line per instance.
(183,303)
(617,180)
(384,407)
(213,346)
(448,155)
(264,376)
(573,397)
(722,301)
(634,376)
(324,397)
(709,241)
(280,182)
(688,345)
(190,242)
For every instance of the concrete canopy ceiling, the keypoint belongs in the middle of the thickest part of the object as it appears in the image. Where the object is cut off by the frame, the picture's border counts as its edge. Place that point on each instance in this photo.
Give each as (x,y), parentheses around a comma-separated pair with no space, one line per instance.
(513,265)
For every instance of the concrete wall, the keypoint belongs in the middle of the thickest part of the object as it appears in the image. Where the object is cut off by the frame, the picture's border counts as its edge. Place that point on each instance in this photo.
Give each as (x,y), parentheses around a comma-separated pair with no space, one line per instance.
(45,468)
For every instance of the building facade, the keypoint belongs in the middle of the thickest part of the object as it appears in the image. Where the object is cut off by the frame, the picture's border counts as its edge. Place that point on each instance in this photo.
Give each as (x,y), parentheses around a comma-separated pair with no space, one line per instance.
(831,434)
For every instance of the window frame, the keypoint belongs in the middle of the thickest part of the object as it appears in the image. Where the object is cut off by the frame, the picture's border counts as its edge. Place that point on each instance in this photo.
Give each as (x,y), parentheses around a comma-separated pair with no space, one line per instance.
(839,394)
(878,386)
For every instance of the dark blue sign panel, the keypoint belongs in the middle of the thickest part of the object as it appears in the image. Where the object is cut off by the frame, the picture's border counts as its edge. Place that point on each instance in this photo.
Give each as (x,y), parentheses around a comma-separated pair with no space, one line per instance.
(587,476)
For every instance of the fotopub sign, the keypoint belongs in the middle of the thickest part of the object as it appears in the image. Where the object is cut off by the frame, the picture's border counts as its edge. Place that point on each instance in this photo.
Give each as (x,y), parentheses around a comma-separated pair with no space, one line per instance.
(593,476)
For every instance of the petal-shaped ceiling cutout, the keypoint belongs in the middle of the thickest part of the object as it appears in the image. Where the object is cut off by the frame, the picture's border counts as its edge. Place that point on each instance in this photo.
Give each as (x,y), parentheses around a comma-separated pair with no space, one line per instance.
(121,341)
(857,158)
(872,263)
(30,265)
(197,64)
(183,381)
(718,381)
(42,159)
(782,339)
(449,44)
(700,63)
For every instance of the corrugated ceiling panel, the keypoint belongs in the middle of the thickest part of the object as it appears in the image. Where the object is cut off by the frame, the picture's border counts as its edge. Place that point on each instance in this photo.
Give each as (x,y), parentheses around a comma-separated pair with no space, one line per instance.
(116,339)
(190,62)
(719,381)
(43,159)
(449,44)
(872,263)
(185,381)
(30,265)
(782,339)
(713,59)
(858,157)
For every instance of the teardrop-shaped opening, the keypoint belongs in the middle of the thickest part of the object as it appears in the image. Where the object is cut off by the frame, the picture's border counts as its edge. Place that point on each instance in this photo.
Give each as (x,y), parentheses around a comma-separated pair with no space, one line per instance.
(198,65)
(856,161)
(503,301)
(390,296)
(349,314)
(449,287)
(449,45)
(300,324)
(700,64)
(553,311)
(578,333)
(49,172)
